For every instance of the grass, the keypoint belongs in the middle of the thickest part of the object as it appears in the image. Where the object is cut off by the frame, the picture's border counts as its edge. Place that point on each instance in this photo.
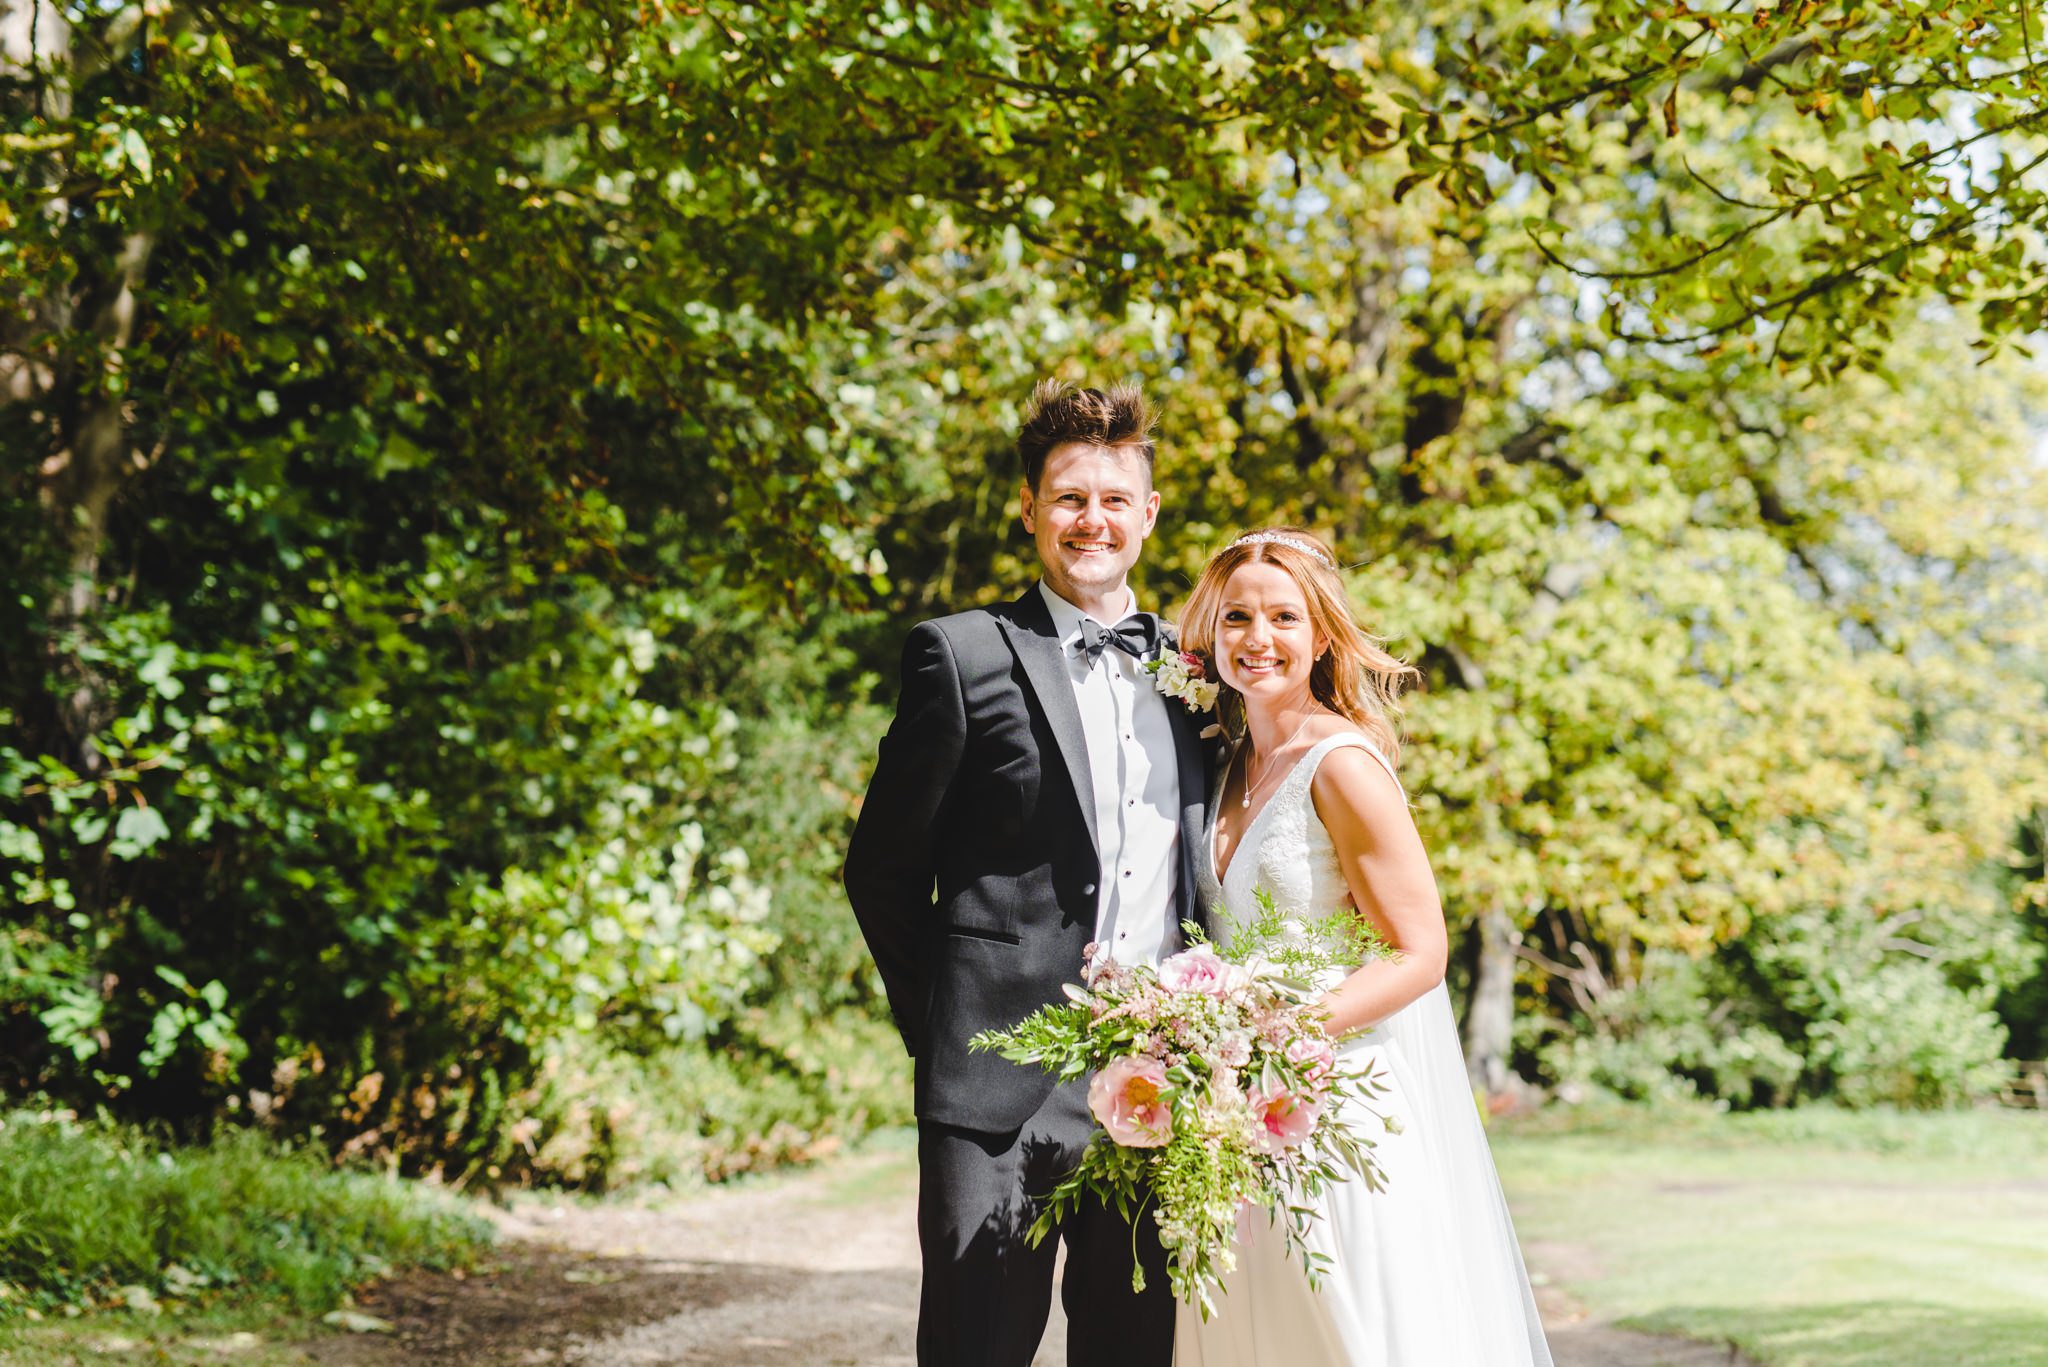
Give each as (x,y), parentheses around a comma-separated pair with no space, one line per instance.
(244,1334)
(98,1216)
(1810,1238)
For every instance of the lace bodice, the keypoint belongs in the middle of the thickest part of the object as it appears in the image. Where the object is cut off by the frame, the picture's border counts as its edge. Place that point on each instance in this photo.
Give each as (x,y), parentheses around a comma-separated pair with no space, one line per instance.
(1286,851)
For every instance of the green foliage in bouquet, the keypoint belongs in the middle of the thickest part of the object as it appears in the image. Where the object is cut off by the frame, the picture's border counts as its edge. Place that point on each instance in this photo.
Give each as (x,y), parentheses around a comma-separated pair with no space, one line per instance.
(1297,951)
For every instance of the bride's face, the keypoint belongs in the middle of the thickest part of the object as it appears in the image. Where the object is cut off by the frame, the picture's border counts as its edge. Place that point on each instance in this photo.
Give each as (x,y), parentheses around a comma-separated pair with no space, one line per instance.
(1265,641)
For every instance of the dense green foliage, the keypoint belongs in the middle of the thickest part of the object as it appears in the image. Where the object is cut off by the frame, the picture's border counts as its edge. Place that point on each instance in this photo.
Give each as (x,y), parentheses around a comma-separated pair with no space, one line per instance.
(93,1214)
(470,466)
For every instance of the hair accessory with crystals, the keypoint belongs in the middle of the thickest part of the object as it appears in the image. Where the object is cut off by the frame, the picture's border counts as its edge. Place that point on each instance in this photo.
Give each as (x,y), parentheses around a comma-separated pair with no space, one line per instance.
(1291,542)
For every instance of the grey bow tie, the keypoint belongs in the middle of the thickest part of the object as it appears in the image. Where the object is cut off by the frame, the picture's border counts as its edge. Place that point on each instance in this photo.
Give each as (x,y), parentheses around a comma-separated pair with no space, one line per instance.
(1136,636)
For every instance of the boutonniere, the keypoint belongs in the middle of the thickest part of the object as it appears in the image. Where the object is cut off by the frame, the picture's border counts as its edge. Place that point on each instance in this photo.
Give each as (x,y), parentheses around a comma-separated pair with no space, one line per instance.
(1185,677)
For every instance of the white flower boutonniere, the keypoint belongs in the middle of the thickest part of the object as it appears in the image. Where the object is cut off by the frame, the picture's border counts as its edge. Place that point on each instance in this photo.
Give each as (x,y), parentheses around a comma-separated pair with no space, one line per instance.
(1183,676)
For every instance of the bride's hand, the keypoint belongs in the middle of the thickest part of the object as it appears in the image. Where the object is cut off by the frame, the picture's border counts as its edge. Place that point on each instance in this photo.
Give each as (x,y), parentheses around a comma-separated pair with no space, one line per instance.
(1324,1007)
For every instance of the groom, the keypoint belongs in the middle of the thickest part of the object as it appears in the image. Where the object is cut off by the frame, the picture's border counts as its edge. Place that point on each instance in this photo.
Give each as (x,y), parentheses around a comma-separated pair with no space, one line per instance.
(1034,794)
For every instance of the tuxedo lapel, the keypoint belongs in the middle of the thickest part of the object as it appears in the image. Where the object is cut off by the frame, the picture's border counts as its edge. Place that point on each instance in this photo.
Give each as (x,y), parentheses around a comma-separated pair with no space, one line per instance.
(1032,637)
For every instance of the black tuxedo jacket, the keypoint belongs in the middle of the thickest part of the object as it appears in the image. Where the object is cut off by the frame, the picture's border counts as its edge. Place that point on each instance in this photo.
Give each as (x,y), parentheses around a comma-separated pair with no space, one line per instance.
(973,866)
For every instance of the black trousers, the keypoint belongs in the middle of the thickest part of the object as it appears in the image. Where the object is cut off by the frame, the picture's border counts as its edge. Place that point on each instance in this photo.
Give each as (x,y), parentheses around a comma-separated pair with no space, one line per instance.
(987,1292)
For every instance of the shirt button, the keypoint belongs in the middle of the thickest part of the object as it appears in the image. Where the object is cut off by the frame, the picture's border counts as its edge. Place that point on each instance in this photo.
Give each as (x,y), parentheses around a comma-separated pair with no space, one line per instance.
(1127,873)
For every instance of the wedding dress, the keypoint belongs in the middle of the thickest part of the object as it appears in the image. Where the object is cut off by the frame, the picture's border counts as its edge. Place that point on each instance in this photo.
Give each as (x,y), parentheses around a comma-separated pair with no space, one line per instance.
(1426,1273)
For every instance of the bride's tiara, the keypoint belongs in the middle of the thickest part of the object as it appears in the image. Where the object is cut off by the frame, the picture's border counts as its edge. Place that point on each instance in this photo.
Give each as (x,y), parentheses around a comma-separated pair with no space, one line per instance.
(1307,548)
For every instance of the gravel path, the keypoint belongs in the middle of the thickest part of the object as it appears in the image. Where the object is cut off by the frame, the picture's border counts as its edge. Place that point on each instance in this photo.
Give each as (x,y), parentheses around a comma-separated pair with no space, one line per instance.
(815,1269)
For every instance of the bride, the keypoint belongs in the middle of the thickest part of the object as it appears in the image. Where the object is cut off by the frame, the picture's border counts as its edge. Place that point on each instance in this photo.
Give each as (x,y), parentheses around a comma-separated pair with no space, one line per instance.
(1426,1273)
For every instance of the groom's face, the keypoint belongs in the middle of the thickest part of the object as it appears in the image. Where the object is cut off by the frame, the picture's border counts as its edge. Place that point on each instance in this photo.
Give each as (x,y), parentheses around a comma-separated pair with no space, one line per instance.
(1090,514)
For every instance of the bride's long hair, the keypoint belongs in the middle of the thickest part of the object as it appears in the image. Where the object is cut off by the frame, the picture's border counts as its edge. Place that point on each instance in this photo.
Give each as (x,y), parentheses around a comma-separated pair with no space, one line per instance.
(1356,677)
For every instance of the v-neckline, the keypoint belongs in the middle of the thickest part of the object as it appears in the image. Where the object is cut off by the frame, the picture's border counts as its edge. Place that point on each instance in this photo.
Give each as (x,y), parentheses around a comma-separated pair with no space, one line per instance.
(1244,836)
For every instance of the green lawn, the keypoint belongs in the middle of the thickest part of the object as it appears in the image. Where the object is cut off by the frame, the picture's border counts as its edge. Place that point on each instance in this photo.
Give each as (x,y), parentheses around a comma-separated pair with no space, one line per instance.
(1812,1238)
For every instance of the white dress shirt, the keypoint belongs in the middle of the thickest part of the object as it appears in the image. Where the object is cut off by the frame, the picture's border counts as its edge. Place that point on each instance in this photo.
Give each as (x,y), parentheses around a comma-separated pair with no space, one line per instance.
(1136,776)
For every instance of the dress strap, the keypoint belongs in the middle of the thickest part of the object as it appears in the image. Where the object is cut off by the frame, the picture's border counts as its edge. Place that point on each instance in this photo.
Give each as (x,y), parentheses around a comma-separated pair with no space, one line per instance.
(1314,758)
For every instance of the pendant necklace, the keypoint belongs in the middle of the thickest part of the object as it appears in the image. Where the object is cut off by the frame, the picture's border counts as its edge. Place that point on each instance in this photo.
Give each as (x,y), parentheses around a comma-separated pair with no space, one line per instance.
(1251,787)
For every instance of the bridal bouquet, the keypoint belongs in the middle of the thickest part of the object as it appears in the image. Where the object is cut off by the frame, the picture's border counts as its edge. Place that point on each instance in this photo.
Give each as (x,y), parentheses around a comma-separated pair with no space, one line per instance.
(1216,1088)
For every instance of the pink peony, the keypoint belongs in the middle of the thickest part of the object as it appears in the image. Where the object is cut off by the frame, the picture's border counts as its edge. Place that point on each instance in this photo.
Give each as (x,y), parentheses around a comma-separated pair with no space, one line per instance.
(1201,970)
(1313,1055)
(1193,663)
(1125,1098)
(1284,1118)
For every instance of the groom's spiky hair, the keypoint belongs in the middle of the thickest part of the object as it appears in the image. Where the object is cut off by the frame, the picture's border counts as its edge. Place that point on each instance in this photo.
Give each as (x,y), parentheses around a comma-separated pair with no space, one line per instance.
(1117,417)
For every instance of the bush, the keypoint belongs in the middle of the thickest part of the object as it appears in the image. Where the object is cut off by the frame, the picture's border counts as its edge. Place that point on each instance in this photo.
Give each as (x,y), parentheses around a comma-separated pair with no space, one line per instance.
(1790,1014)
(1902,1036)
(523,819)
(1672,1036)
(90,1209)
(777,1087)
(364,861)
(804,741)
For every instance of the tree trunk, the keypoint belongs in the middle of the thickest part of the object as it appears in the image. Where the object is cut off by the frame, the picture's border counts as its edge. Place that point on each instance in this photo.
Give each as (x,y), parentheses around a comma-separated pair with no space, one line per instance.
(80,482)
(1490,1014)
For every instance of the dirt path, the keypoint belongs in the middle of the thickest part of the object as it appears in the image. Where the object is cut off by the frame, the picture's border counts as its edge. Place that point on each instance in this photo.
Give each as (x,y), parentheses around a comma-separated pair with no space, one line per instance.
(817,1269)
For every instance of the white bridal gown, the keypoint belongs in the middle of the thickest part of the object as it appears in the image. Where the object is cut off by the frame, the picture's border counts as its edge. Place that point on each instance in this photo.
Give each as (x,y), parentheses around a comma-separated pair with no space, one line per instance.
(1426,1273)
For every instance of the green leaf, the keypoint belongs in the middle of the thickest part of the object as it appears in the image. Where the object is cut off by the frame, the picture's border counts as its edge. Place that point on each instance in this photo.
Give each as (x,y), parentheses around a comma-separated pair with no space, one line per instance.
(136,830)
(136,152)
